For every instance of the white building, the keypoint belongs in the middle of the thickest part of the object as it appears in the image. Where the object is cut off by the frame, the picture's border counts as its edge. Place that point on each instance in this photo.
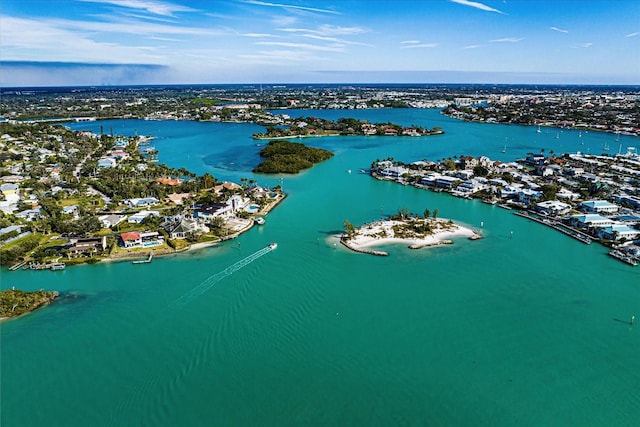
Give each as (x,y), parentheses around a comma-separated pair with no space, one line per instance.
(599,206)
(553,207)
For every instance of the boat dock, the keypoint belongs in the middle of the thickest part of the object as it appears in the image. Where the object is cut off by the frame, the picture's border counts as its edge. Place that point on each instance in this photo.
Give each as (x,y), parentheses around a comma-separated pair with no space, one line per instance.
(53,266)
(144,261)
(623,257)
(556,225)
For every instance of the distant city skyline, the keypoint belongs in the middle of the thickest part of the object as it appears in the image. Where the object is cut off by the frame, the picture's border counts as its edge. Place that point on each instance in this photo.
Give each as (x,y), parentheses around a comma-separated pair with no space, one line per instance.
(121,42)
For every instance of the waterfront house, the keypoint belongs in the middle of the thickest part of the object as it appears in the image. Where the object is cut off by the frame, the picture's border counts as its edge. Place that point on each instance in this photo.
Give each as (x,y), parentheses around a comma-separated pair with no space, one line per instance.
(471,186)
(599,206)
(553,207)
(410,131)
(135,239)
(618,232)
(368,129)
(87,246)
(394,171)
(430,179)
(180,227)
(590,221)
(447,182)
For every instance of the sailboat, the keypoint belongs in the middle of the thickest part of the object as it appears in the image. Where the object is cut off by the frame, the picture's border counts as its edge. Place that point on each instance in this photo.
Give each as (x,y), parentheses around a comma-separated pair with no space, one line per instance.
(504,149)
(538,131)
(557,135)
(605,147)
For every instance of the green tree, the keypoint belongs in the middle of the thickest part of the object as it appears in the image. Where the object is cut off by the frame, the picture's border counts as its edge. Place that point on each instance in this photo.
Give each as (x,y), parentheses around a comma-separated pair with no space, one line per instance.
(349,229)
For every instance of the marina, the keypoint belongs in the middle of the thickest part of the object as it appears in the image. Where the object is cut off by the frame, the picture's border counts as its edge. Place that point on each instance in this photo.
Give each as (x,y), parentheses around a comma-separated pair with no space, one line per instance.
(556,225)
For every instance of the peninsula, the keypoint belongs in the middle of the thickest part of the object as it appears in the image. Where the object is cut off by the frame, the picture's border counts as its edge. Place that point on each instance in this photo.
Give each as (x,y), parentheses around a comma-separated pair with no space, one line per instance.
(417,232)
(14,302)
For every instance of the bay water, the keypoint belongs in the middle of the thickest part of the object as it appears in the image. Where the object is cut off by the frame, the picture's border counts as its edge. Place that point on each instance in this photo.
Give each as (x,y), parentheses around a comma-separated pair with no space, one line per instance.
(525,327)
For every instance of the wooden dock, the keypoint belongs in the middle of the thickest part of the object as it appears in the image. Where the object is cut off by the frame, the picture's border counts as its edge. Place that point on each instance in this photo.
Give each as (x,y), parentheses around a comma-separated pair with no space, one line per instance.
(556,225)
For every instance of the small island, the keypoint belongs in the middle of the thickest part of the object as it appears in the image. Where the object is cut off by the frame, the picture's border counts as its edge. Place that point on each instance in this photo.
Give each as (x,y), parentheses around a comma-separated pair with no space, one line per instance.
(418,232)
(15,302)
(306,127)
(289,157)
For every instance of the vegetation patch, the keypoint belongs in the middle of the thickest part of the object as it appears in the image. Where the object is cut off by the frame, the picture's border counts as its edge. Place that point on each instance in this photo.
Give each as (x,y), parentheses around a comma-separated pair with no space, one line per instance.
(290,157)
(15,302)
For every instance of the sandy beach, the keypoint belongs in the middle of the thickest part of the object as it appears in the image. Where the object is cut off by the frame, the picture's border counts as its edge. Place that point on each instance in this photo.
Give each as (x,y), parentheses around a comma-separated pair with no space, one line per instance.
(382,232)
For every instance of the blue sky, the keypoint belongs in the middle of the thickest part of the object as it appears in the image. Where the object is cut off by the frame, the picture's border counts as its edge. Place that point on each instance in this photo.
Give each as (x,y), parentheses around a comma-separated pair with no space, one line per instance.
(98,42)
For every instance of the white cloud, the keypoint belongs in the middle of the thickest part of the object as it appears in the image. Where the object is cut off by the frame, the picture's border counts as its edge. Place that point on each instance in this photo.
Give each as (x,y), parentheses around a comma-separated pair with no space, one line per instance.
(560,30)
(130,27)
(507,40)
(632,34)
(420,45)
(289,6)
(150,6)
(333,40)
(473,46)
(586,45)
(26,39)
(477,5)
(328,30)
(260,35)
(410,42)
(304,46)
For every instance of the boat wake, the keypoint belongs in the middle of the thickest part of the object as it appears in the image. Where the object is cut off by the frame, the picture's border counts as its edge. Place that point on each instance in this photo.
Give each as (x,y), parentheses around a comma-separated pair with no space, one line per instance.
(212,280)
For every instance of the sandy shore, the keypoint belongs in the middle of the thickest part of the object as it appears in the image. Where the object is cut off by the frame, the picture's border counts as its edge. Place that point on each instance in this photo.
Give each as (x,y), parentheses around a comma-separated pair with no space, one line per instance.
(381,233)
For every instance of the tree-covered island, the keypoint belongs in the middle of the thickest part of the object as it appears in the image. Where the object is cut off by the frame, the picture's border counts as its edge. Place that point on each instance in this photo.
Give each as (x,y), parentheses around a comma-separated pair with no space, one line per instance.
(316,127)
(289,157)
(14,302)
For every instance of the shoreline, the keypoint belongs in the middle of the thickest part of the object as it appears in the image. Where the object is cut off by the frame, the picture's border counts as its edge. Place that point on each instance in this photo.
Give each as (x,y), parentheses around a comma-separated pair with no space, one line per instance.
(381,233)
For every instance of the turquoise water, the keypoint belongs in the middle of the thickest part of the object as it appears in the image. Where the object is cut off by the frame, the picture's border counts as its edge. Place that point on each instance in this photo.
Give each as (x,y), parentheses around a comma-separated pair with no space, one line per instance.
(516,329)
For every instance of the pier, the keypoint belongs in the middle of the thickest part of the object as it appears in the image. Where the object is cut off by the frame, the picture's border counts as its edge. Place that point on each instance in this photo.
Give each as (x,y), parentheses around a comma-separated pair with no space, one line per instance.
(578,235)
(363,250)
(144,261)
(619,255)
